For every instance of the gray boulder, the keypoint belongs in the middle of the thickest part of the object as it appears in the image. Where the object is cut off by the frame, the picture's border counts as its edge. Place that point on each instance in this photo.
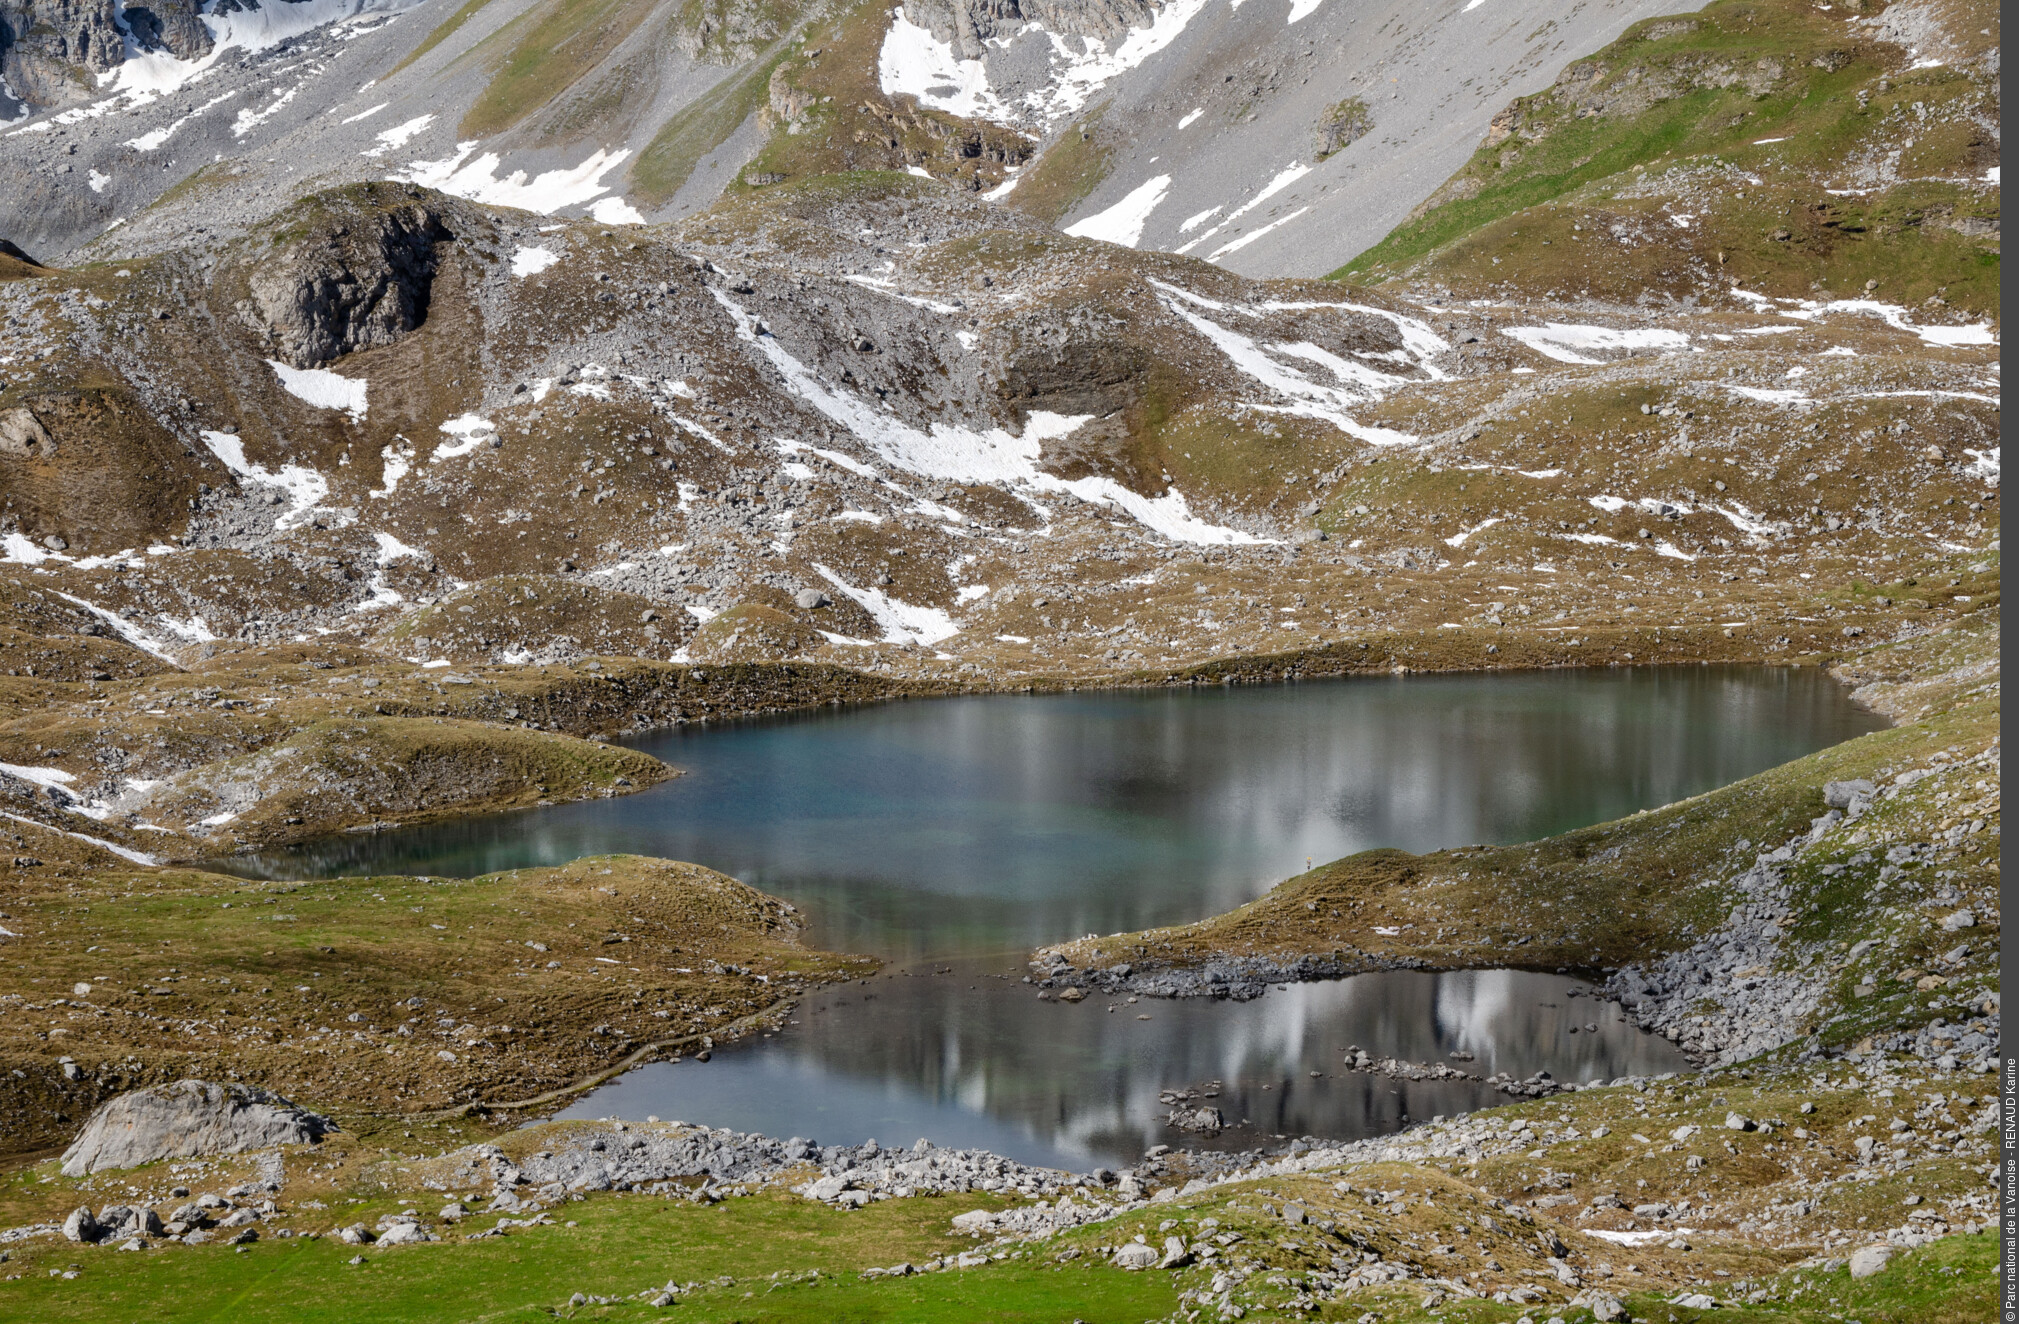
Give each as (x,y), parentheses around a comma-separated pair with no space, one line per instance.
(405,1234)
(1604,1307)
(82,1225)
(117,1221)
(1839,795)
(1136,1255)
(185,1120)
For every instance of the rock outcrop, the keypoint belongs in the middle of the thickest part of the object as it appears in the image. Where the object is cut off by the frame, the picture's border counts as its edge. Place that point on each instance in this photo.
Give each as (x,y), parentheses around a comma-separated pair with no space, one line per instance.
(21,433)
(968,24)
(187,1119)
(52,51)
(358,280)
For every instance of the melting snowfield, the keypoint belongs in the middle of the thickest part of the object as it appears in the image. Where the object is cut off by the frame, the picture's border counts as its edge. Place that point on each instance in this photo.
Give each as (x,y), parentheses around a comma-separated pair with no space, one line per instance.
(1567,343)
(966,455)
(304,487)
(1123,223)
(146,74)
(468,174)
(915,63)
(1293,390)
(322,388)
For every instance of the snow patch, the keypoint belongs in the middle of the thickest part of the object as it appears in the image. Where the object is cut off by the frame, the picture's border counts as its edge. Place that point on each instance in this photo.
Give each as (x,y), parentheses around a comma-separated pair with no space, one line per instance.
(1771,397)
(1893,315)
(46,778)
(1123,223)
(1637,1238)
(469,430)
(477,179)
(1458,539)
(1253,235)
(139,638)
(889,288)
(966,455)
(137,857)
(913,62)
(616,211)
(1306,398)
(533,261)
(322,388)
(1283,179)
(399,135)
(305,487)
(399,461)
(902,622)
(1568,343)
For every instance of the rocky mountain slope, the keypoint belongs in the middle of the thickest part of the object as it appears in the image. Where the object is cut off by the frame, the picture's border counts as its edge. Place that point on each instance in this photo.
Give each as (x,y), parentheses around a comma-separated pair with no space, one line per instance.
(132,131)
(865,419)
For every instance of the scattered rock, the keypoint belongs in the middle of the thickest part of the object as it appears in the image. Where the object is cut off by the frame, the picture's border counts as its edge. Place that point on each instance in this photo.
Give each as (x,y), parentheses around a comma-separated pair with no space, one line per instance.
(1205,1119)
(1604,1307)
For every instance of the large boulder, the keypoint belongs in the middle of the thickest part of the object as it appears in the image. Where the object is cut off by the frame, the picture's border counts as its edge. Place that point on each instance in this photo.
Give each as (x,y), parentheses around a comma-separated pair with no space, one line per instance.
(185,1120)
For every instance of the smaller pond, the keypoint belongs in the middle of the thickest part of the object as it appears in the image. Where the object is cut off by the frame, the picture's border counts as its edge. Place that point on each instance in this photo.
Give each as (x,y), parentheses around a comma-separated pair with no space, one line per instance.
(972,1058)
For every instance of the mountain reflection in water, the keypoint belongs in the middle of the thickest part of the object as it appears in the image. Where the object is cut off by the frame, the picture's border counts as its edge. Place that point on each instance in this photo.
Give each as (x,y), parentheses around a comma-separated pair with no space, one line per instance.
(959,833)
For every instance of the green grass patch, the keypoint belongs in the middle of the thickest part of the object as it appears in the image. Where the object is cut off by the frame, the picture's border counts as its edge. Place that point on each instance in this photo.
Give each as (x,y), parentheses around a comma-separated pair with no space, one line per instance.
(1775,92)
(698,128)
(1070,169)
(443,31)
(199,974)
(783,1258)
(555,45)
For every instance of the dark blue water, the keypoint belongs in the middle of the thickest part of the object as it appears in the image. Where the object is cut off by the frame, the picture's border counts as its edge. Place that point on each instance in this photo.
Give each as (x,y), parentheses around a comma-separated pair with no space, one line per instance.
(959,833)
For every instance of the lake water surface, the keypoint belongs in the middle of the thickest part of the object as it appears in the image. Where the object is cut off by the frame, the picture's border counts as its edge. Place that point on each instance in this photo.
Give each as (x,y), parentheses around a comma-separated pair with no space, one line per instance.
(952,835)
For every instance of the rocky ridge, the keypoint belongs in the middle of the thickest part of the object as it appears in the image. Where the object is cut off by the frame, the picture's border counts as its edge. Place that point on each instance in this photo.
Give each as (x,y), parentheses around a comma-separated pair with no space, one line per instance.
(1768,986)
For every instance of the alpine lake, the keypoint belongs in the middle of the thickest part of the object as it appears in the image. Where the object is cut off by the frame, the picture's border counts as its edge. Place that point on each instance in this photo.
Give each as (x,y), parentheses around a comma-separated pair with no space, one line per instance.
(951,836)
